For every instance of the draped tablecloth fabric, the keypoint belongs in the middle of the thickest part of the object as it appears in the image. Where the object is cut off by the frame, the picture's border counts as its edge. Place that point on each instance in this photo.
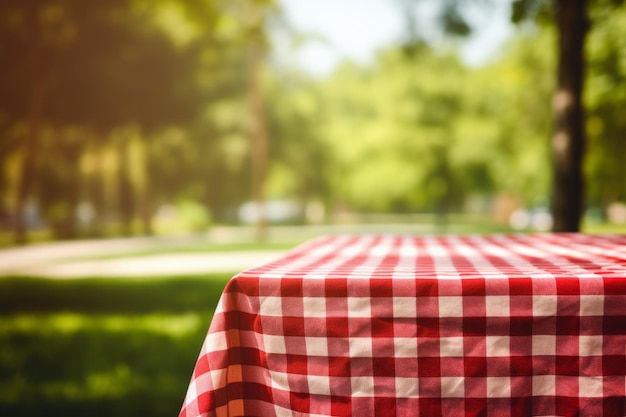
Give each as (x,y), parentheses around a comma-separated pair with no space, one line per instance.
(502,325)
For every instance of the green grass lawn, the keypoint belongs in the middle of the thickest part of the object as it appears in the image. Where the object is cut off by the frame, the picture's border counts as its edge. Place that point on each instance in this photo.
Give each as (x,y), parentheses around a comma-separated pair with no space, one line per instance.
(101,347)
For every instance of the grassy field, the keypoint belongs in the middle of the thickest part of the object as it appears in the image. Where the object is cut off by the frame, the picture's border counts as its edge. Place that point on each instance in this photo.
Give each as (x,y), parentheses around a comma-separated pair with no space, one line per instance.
(101,347)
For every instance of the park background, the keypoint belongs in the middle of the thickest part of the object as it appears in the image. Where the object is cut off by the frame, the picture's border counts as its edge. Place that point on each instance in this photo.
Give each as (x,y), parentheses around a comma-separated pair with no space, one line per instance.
(215,127)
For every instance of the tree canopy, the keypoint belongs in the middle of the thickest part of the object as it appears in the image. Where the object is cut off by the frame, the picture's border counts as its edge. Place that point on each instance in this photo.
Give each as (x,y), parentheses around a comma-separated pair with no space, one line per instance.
(111,113)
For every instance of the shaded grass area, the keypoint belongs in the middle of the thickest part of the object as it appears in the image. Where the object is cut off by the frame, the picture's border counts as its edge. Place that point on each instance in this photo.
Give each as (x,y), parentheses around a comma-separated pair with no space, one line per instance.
(101,347)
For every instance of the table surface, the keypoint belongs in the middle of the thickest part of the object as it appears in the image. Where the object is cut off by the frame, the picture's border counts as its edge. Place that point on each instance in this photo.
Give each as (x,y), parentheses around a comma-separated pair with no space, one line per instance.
(502,325)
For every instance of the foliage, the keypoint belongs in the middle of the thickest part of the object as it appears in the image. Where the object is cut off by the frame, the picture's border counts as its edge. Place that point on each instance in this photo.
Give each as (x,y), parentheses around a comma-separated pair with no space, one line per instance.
(606,98)
(126,74)
(518,92)
(389,128)
(146,105)
(298,155)
(423,131)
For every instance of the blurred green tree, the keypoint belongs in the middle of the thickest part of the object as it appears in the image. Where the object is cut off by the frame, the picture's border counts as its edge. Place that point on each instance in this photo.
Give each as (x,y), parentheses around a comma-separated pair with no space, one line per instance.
(27,34)
(606,99)
(299,159)
(391,130)
(121,66)
(572,22)
(511,98)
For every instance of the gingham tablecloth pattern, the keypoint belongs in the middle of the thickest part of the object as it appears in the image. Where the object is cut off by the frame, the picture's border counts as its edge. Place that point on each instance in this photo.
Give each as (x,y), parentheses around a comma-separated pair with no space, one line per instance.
(504,325)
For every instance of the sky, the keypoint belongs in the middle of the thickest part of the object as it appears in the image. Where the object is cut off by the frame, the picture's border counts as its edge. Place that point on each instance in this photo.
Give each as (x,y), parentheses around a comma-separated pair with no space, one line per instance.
(356,29)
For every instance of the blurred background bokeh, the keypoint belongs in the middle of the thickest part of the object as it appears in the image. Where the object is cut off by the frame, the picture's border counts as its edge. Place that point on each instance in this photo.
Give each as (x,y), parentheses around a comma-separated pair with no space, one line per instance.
(244,124)
(136,117)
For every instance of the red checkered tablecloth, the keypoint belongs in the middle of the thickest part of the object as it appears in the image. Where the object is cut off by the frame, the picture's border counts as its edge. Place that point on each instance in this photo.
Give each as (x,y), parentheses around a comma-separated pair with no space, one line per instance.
(503,325)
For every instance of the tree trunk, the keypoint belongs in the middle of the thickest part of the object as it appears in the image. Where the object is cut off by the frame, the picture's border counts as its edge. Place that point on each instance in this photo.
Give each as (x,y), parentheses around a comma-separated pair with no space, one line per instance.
(32,139)
(95,187)
(146,204)
(73,191)
(569,134)
(126,198)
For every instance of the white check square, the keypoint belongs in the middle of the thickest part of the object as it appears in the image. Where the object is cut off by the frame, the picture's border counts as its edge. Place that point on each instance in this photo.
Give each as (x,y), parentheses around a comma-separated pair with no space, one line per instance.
(360,347)
(498,306)
(451,346)
(274,344)
(407,388)
(498,387)
(590,345)
(280,411)
(592,305)
(452,387)
(314,306)
(544,385)
(362,386)
(218,377)
(271,306)
(591,386)
(405,347)
(450,306)
(319,384)
(279,380)
(359,307)
(216,341)
(498,346)
(544,345)
(316,346)
(544,305)
(404,307)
